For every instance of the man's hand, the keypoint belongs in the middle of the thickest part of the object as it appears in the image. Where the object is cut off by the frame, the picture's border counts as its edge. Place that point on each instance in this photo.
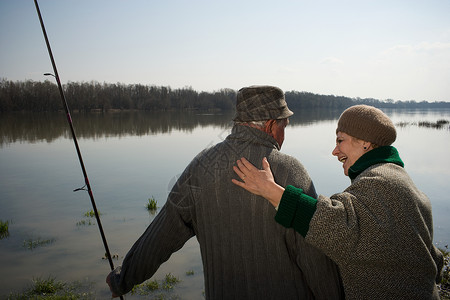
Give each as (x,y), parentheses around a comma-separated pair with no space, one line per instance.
(108,281)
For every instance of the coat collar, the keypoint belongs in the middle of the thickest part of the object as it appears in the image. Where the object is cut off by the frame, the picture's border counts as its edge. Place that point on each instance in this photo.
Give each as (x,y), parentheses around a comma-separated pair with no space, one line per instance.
(384,154)
(241,132)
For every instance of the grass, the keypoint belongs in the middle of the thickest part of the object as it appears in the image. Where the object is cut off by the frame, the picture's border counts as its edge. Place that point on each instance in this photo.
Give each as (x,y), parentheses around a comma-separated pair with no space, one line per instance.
(114,256)
(170,281)
(46,286)
(151,286)
(31,244)
(53,289)
(445,283)
(152,204)
(90,215)
(85,222)
(4,229)
(439,124)
(145,288)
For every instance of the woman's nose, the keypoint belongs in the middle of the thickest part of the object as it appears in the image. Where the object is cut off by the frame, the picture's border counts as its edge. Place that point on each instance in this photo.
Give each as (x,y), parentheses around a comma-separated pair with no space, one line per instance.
(335,151)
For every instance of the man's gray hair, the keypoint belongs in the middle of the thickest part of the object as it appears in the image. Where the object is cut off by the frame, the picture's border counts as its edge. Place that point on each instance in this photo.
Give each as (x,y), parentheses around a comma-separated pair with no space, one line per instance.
(258,124)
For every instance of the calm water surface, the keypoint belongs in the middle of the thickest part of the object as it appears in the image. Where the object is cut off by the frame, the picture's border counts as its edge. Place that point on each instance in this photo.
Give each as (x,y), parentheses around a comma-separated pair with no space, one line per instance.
(133,156)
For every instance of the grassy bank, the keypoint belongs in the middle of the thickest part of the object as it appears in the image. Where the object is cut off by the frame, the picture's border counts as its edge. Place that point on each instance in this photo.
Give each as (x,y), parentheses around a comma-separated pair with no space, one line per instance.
(51,288)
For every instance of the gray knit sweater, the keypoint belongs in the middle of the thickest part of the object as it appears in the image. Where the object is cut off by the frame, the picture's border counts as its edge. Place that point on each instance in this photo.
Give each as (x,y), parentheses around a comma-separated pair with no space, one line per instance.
(245,254)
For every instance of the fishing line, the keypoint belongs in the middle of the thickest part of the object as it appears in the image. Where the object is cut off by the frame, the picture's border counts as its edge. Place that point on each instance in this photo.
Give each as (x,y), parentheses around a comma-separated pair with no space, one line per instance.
(87,186)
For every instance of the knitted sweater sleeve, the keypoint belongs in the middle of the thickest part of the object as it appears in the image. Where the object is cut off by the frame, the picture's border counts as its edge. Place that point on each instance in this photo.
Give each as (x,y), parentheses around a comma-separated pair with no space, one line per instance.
(296,210)
(168,232)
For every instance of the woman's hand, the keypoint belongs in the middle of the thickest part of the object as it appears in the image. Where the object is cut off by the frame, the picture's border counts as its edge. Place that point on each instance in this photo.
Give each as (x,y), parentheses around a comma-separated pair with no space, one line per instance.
(258,182)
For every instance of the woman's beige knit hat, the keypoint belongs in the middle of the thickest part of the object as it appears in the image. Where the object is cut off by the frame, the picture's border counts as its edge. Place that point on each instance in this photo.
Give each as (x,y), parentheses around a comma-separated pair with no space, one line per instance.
(367,123)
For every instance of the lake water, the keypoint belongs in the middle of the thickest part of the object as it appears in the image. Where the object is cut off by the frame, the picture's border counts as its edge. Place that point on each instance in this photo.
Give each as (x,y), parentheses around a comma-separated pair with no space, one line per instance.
(133,156)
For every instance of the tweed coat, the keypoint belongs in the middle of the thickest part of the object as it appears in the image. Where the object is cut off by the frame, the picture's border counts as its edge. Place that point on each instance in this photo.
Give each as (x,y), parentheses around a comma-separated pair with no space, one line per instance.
(379,231)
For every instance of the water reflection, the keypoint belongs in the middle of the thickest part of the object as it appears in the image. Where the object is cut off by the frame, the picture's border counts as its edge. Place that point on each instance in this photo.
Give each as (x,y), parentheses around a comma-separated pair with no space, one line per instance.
(35,127)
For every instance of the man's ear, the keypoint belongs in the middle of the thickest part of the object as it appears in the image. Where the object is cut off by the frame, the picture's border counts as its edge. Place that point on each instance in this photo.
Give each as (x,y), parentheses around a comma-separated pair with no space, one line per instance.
(268,126)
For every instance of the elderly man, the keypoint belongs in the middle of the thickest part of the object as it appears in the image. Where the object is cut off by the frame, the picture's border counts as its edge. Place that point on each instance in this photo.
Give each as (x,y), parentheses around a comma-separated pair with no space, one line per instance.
(245,254)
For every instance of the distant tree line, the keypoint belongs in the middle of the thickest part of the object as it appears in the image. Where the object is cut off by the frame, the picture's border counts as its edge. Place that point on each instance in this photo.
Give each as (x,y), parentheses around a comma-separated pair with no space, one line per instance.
(305,100)
(88,96)
(39,96)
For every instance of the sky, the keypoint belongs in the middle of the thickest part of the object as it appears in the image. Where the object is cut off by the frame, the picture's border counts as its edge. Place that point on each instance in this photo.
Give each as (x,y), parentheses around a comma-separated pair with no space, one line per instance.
(382,49)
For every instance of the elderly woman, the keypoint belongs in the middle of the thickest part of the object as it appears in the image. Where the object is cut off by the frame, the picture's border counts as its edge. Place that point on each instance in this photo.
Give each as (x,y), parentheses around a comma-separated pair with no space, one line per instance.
(379,230)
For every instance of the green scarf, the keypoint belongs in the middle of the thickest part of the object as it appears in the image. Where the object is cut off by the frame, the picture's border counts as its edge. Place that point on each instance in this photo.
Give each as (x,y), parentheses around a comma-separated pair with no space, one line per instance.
(384,154)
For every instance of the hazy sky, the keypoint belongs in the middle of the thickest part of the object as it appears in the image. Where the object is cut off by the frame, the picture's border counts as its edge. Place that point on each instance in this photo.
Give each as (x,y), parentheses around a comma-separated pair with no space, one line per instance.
(383,49)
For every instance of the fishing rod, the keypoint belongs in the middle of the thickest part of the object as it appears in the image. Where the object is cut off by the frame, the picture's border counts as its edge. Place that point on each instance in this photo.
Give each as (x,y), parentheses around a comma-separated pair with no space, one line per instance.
(87,186)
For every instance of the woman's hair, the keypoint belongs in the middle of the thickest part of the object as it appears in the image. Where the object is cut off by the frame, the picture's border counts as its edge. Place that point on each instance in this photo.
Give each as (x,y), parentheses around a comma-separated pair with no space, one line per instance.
(356,139)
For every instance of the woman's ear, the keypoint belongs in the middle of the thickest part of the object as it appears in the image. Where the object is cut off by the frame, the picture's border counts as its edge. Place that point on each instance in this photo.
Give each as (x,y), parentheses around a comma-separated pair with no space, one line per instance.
(367,146)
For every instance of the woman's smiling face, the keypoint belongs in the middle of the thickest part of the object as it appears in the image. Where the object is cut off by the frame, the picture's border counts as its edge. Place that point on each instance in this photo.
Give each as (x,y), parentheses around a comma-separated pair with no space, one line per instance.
(348,150)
